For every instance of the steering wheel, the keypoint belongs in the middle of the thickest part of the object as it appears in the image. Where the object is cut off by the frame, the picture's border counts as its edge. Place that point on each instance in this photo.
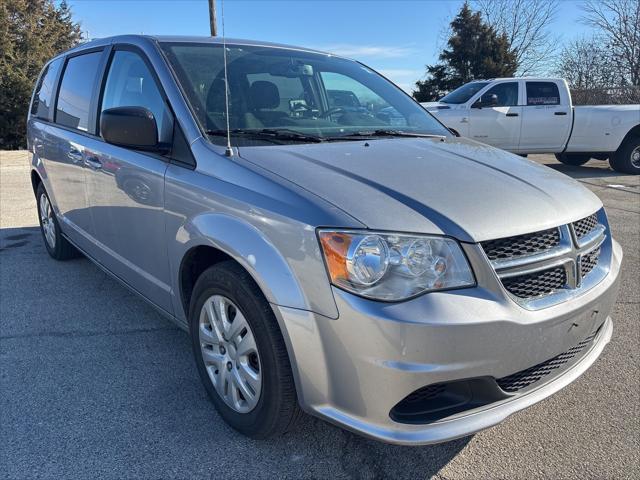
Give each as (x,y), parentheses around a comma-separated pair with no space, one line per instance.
(331,111)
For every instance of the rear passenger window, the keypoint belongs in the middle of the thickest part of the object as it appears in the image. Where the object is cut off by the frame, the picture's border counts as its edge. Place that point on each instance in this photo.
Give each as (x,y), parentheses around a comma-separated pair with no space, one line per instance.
(542,93)
(131,84)
(43,98)
(74,97)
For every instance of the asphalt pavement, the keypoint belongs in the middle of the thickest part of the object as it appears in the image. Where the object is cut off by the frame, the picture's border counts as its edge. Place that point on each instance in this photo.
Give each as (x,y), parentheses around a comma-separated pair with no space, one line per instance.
(95,384)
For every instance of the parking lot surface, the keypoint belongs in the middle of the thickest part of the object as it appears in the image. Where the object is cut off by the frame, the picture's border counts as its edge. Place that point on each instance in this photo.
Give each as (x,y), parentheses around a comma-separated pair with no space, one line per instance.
(95,384)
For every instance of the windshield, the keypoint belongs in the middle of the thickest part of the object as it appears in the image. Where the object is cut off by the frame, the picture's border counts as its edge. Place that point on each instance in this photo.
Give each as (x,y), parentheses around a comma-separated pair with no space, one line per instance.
(464,93)
(292,96)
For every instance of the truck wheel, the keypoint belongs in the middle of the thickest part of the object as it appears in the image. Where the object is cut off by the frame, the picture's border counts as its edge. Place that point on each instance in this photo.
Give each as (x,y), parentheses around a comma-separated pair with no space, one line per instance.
(627,158)
(574,159)
(57,246)
(240,353)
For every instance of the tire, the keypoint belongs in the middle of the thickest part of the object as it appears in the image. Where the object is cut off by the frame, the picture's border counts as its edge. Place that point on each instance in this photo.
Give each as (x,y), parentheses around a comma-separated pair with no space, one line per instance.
(627,158)
(58,247)
(274,409)
(573,159)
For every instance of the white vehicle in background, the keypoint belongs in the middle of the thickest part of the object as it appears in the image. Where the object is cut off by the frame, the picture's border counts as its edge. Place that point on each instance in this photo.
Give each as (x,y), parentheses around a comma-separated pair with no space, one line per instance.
(535,115)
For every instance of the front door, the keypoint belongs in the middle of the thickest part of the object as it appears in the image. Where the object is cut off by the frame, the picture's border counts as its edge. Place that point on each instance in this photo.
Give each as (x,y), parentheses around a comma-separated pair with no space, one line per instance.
(497,124)
(126,186)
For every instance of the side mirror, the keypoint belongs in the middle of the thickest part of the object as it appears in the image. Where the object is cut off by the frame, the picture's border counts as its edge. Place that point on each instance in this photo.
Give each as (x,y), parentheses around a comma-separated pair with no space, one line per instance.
(131,127)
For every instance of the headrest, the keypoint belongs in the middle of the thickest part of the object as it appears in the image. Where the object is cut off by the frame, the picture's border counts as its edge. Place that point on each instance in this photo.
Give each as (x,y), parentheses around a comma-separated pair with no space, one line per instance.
(264,94)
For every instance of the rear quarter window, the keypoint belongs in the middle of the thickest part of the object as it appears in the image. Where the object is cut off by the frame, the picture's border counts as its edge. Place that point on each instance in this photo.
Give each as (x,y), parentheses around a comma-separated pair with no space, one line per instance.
(542,93)
(43,96)
(76,89)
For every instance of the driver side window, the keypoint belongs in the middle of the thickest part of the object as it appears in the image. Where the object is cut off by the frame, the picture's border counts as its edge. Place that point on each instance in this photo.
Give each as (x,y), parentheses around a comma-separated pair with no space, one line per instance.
(506,93)
(131,84)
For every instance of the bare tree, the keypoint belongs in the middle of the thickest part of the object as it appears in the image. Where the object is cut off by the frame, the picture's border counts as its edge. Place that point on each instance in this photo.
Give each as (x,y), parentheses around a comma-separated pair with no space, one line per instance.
(619,22)
(590,68)
(526,24)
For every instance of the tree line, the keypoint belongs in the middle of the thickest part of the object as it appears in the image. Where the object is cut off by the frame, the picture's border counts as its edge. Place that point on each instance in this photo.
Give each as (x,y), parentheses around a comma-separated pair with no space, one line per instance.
(31,32)
(506,38)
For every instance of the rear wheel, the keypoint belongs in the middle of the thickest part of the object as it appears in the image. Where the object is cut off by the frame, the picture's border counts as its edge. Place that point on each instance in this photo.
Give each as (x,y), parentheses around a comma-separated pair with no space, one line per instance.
(240,353)
(627,158)
(574,159)
(57,246)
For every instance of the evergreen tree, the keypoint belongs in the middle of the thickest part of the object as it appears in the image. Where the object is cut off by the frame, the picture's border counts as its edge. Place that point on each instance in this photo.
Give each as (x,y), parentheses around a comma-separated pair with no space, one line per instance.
(473,51)
(31,32)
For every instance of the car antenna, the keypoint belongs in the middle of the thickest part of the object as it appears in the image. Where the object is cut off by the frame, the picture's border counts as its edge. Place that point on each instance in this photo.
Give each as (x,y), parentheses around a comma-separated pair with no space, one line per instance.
(229,151)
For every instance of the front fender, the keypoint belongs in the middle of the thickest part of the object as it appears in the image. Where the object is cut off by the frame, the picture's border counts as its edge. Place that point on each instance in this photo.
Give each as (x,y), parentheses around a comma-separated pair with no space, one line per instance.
(281,283)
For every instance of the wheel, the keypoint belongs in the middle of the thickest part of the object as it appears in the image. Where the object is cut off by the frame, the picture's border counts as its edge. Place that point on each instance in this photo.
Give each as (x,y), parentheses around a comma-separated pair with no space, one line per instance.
(627,158)
(574,159)
(57,246)
(240,353)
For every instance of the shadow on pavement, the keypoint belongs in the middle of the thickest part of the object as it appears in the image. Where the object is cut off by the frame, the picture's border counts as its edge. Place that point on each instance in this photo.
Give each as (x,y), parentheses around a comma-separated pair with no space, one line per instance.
(590,170)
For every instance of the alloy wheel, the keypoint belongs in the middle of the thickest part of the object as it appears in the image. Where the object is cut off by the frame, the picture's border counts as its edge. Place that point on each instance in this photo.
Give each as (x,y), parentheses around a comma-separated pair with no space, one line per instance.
(47,221)
(230,353)
(635,157)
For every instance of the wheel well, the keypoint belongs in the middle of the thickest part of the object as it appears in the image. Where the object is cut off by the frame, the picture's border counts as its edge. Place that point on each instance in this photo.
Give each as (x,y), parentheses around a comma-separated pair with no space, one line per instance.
(35,180)
(196,261)
(634,132)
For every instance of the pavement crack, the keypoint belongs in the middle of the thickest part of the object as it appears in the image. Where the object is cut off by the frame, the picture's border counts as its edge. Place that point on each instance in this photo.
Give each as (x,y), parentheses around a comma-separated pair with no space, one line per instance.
(80,334)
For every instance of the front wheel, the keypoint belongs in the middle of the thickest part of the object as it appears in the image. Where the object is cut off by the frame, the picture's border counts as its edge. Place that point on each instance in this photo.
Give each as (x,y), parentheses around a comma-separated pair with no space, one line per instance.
(573,159)
(627,158)
(240,353)
(57,246)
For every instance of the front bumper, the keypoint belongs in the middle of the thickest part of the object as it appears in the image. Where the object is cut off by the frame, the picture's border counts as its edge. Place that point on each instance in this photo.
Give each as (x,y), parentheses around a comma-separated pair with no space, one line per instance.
(353,370)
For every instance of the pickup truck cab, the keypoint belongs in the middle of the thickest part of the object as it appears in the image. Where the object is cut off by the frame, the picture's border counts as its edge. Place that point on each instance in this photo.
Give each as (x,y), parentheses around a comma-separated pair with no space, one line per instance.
(535,115)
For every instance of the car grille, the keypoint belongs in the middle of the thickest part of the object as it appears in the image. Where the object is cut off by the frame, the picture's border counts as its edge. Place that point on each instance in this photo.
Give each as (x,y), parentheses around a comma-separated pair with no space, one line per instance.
(549,263)
(525,378)
(585,226)
(588,262)
(522,245)
(536,284)
(426,393)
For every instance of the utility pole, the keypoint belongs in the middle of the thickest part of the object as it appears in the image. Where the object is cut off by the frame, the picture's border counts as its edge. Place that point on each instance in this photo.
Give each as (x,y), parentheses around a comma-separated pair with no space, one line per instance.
(212,18)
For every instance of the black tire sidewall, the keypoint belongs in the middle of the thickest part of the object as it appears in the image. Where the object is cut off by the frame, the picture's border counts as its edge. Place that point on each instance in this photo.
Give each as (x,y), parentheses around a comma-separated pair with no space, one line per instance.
(621,160)
(574,160)
(221,280)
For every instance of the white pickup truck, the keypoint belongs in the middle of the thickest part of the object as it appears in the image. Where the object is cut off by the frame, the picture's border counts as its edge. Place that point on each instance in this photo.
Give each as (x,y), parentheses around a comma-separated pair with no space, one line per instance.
(535,115)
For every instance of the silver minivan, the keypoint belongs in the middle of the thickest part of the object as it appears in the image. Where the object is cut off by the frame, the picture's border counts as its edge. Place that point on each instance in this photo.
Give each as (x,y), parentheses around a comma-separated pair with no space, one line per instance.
(329,246)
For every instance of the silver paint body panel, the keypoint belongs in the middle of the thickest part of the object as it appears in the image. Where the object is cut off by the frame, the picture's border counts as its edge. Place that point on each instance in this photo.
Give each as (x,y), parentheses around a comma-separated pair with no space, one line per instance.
(138,216)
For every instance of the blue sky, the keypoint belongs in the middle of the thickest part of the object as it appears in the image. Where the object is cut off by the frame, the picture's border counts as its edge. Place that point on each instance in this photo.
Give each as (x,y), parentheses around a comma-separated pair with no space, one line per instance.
(396,38)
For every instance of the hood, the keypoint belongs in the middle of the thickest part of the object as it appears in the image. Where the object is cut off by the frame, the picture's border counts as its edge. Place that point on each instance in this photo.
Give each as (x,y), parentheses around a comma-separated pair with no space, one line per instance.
(456,187)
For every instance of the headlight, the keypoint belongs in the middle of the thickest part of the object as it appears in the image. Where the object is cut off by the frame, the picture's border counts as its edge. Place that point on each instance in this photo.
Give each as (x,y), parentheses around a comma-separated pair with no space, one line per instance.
(393,266)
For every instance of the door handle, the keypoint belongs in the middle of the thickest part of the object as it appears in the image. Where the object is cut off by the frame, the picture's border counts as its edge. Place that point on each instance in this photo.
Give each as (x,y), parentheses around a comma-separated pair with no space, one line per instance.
(512,114)
(93,162)
(559,113)
(74,154)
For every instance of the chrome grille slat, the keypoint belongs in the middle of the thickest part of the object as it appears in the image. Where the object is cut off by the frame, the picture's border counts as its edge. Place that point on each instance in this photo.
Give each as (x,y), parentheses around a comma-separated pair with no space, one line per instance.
(551,263)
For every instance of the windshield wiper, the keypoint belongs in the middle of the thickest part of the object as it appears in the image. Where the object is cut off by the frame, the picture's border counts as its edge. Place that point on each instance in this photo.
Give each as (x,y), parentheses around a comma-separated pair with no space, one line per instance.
(386,133)
(277,134)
